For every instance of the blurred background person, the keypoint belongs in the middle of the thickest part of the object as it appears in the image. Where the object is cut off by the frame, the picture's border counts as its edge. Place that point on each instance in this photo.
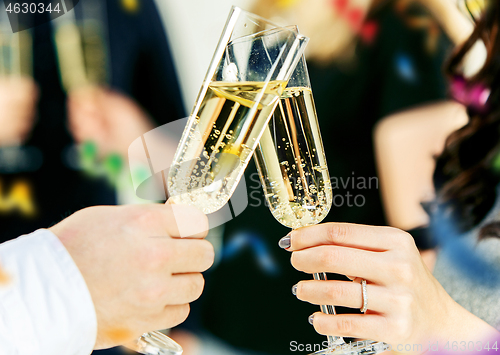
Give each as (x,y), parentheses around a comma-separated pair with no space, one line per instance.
(366,60)
(104,75)
(447,197)
(408,142)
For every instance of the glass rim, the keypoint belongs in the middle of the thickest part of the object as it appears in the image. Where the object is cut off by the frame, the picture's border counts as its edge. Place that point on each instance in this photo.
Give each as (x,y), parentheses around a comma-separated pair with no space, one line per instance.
(299,42)
(290,28)
(235,8)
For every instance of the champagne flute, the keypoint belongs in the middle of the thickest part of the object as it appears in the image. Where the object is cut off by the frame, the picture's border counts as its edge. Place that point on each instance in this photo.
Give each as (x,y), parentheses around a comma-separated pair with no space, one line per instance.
(249,71)
(250,68)
(292,167)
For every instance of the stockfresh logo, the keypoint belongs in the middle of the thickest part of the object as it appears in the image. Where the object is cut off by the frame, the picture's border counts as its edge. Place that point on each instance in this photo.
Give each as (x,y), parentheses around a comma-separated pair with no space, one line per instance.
(150,158)
(26,14)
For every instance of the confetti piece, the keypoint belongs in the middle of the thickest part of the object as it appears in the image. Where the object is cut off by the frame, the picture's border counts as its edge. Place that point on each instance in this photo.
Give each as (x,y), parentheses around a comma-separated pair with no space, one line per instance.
(369,32)
(355,17)
(89,150)
(113,165)
(118,335)
(130,6)
(340,5)
(19,198)
(496,164)
(4,278)
(286,3)
(405,67)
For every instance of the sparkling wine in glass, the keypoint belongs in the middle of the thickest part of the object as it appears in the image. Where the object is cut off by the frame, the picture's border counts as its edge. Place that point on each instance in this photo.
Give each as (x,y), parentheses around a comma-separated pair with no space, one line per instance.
(251,66)
(292,166)
(250,69)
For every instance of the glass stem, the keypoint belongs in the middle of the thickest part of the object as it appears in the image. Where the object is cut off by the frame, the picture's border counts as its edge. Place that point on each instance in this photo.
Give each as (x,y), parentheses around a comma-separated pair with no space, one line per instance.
(333,341)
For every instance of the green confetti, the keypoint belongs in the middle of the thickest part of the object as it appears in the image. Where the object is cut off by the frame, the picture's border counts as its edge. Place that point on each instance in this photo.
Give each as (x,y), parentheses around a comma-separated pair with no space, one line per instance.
(496,163)
(113,165)
(88,158)
(141,174)
(89,150)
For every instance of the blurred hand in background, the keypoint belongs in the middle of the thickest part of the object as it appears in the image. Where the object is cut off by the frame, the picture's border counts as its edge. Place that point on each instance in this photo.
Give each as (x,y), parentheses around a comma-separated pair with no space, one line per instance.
(455,24)
(110,119)
(18,97)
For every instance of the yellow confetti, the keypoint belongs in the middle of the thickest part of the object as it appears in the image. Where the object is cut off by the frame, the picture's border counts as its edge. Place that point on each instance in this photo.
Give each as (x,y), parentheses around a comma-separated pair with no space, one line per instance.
(20,198)
(476,7)
(118,335)
(4,278)
(286,3)
(131,6)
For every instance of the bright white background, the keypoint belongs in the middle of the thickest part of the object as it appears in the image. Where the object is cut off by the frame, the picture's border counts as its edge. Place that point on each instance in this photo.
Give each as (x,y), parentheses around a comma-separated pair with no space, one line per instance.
(193,29)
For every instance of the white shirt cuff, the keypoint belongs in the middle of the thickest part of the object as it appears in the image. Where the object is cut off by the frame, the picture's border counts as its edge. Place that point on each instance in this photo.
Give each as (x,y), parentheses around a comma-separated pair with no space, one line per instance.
(45,305)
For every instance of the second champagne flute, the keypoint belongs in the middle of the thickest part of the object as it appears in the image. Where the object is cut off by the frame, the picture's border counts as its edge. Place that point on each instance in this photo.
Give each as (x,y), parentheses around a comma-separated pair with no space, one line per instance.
(292,166)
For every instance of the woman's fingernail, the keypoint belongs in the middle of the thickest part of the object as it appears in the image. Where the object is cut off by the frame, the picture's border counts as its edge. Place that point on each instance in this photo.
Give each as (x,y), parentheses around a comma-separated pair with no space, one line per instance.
(285,242)
(311,319)
(294,290)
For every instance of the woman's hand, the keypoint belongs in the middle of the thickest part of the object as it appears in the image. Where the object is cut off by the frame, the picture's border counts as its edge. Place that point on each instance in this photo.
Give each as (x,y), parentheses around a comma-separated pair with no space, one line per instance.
(406,304)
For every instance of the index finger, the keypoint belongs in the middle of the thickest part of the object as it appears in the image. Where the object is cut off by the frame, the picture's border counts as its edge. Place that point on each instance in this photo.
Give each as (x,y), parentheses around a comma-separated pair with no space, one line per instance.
(183,221)
(359,236)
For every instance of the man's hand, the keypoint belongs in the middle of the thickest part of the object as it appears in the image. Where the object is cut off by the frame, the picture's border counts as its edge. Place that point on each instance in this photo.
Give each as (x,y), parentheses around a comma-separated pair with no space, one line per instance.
(18,97)
(110,119)
(140,273)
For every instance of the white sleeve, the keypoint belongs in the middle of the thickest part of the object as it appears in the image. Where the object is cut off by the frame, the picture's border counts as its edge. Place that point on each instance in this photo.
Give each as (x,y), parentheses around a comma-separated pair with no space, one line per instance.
(45,305)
